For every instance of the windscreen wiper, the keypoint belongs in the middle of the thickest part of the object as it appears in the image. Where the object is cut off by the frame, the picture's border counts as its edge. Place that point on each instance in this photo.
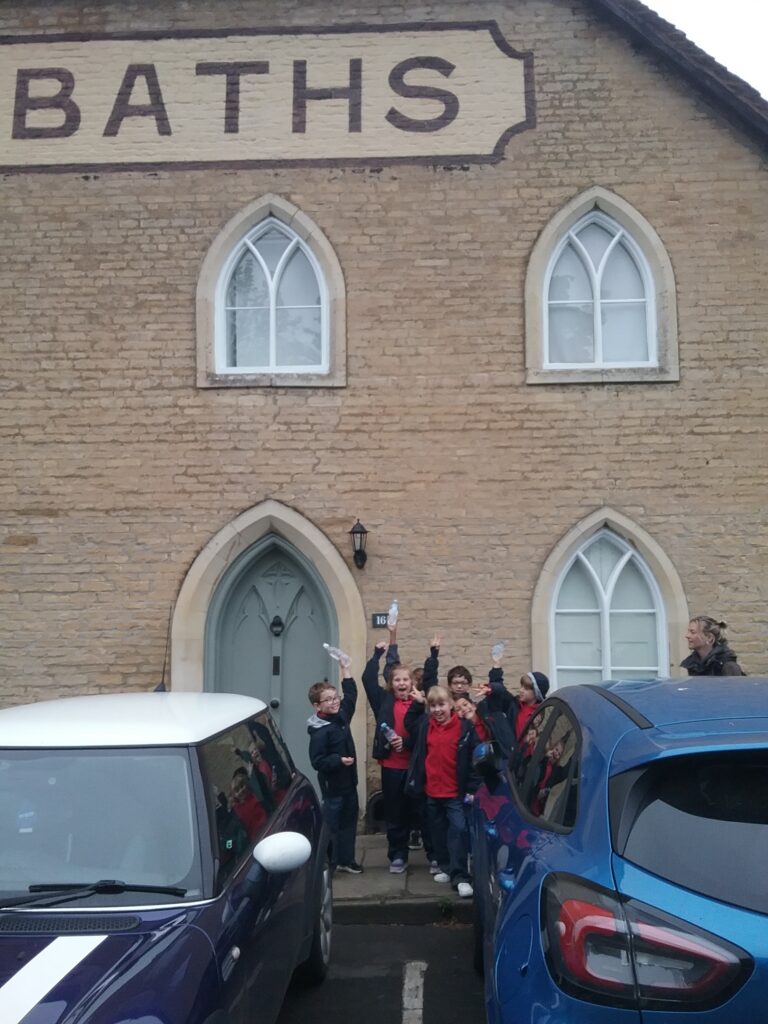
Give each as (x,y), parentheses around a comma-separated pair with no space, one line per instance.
(63,892)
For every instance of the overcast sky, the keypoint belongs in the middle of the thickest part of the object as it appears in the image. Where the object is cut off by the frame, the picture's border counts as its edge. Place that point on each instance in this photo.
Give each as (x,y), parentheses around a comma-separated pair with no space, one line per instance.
(732,31)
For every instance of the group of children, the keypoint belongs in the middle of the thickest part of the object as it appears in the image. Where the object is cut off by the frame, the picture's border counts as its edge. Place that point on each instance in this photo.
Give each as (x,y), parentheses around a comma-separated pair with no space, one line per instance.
(424,739)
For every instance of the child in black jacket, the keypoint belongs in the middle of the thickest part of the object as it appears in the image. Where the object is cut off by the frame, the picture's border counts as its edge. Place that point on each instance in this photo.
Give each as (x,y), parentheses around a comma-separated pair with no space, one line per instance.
(441,767)
(332,755)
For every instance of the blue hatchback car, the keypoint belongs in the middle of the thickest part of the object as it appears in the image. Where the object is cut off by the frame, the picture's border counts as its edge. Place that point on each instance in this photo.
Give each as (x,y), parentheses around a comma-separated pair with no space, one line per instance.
(161,862)
(621,857)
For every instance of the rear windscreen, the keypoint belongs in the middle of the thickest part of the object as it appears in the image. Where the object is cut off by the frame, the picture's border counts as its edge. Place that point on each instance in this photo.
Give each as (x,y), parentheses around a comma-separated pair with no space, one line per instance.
(701,822)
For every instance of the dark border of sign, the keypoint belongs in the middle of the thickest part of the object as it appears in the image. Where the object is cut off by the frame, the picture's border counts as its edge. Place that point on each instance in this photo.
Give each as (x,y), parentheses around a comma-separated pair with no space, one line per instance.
(493,157)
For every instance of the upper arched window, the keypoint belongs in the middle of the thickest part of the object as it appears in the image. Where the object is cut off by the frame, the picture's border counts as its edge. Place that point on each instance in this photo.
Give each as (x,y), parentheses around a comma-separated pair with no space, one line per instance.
(608,617)
(271,303)
(273,306)
(599,298)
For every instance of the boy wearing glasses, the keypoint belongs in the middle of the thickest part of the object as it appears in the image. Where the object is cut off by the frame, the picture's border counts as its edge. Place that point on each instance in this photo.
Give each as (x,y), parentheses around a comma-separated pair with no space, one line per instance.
(332,755)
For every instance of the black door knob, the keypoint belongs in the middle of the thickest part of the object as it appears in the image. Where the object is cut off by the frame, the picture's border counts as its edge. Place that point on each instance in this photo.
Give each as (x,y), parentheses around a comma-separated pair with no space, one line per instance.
(274,703)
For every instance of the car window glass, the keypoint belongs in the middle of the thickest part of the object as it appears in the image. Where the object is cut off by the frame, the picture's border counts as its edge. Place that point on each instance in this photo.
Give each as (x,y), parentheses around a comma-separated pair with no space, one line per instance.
(76,816)
(714,803)
(246,779)
(545,767)
(527,757)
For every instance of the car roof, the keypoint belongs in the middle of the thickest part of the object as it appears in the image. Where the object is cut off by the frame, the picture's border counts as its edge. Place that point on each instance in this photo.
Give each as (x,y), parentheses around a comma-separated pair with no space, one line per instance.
(711,699)
(124,720)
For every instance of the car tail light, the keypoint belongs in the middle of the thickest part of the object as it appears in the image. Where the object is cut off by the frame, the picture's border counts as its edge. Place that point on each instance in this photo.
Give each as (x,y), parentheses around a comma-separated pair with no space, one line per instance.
(607,949)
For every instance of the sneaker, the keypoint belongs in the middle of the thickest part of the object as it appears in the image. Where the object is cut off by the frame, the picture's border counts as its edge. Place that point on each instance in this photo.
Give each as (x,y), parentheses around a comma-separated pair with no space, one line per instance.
(441,876)
(398,866)
(434,867)
(353,868)
(465,890)
(415,843)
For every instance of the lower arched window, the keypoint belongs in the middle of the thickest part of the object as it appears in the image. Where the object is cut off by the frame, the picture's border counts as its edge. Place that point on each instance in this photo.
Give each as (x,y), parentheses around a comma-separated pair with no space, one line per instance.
(608,619)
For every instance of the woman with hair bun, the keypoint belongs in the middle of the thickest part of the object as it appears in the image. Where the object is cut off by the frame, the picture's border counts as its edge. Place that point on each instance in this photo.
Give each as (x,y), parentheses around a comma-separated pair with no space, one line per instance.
(710,654)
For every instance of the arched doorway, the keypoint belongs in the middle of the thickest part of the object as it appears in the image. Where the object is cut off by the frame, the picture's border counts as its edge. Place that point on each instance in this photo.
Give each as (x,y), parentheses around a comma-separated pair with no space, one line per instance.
(269,617)
(307,552)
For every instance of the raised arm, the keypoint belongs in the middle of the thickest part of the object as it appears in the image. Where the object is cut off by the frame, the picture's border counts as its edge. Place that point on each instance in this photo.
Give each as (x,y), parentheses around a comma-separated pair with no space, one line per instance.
(373,691)
(431,665)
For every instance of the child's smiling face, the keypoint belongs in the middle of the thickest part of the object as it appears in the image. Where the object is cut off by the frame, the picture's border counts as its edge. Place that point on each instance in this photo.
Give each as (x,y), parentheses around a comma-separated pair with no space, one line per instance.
(441,710)
(401,683)
(464,708)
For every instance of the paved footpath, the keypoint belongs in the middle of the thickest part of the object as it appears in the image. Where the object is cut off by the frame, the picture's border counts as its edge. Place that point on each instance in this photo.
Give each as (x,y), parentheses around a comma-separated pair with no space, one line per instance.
(376,896)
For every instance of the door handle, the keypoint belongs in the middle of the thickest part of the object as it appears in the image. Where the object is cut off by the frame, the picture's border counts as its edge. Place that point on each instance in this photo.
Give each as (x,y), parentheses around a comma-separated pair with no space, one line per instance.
(274,703)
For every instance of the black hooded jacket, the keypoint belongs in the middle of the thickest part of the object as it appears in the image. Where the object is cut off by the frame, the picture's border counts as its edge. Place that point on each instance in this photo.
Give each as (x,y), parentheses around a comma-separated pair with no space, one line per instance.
(721,661)
(330,739)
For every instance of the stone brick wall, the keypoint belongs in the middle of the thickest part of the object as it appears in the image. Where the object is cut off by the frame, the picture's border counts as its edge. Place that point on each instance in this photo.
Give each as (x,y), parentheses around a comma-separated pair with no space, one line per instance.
(115,469)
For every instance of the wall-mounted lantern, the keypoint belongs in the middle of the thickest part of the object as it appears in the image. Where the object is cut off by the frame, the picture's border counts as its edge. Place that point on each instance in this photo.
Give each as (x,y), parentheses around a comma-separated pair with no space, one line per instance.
(359,536)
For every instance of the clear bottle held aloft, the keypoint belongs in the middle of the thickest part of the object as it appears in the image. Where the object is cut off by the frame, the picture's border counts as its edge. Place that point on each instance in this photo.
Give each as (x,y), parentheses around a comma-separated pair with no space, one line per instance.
(392,614)
(497,650)
(338,655)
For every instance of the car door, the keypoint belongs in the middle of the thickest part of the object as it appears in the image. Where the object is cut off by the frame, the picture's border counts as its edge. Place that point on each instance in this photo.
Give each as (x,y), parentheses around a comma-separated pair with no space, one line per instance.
(259,920)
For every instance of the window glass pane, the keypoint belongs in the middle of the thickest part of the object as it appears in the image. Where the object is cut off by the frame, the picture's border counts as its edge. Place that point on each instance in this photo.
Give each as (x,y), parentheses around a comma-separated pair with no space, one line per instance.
(715,803)
(556,785)
(570,676)
(524,766)
(603,556)
(242,787)
(625,333)
(569,280)
(633,642)
(298,337)
(621,279)
(595,240)
(247,285)
(271,245)
(74,816)
(298,283)
(578,640)
(632,590)
(248,337)
(571,334)
(577,590)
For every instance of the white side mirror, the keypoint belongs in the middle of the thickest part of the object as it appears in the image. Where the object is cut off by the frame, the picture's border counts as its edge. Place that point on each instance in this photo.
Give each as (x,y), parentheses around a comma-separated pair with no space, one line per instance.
(282,852)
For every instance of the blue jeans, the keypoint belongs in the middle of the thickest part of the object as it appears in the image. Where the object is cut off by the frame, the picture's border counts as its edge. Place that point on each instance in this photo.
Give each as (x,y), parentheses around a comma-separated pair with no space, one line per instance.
(340,813)
(450,836)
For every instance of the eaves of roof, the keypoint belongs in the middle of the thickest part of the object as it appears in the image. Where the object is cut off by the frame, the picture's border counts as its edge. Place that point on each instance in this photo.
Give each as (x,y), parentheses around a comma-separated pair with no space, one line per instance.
(737,100)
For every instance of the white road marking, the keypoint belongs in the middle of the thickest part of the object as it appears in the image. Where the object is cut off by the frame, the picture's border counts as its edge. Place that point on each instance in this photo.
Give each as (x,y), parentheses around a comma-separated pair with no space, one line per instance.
(413,991)
(35,979)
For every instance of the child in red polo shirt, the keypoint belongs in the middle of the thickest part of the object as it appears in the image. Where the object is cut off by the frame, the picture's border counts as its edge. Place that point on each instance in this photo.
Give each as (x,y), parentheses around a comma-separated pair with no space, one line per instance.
(440,768)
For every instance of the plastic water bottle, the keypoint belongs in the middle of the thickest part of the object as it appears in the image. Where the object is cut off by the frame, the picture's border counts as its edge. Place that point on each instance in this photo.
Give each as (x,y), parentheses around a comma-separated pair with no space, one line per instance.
(388,732)
(337,655)
(392,614)
(497,650)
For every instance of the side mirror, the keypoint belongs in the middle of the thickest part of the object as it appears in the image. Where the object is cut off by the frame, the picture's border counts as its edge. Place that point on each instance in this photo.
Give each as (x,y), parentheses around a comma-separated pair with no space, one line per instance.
(486,762)
(282,852)
(276,855)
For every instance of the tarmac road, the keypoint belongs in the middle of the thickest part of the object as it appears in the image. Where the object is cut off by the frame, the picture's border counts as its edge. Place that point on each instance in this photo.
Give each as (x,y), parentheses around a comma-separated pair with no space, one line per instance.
(394,974)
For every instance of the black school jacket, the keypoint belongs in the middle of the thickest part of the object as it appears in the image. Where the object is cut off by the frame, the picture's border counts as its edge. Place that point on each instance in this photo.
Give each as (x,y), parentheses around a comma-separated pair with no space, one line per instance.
(417,722)
(330,739)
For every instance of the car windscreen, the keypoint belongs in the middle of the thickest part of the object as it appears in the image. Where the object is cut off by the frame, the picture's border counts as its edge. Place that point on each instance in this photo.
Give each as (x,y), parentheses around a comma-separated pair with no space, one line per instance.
(700,822)
(74,817)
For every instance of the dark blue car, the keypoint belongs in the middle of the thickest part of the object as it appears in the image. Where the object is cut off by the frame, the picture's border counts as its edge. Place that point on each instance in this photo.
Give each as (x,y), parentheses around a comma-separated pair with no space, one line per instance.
(621,858)
(161,862)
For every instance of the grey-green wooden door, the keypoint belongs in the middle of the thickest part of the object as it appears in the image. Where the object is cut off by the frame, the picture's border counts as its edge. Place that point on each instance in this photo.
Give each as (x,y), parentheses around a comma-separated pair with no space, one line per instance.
(268,642)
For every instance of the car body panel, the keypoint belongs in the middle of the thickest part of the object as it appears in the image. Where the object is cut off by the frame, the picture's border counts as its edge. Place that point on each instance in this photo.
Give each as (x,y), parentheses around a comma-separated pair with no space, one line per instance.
(514,853)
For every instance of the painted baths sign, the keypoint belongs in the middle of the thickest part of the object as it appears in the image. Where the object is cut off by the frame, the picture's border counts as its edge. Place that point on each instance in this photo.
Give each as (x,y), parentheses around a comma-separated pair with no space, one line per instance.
(352,94)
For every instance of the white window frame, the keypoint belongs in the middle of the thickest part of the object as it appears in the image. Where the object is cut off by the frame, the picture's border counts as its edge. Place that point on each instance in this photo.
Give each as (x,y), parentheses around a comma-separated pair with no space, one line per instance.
(620,236)
(273,282)
(218,265)
(604,597)
(652,260)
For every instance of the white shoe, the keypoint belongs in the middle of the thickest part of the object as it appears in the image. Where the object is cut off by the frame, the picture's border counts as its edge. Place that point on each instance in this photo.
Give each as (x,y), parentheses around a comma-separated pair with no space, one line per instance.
(441,877)
(465,890)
